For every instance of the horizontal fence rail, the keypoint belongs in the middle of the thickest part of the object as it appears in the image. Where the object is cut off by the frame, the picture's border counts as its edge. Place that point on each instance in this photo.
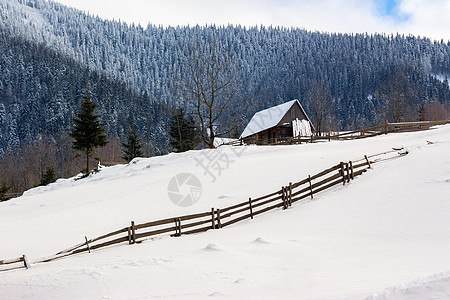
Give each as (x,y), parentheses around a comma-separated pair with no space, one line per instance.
(350,135)
(339,174)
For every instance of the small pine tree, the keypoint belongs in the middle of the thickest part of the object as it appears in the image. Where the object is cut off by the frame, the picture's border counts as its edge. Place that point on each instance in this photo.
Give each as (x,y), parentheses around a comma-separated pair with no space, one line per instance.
(88,131)
(49,176)
(184,132)
(132,148)
(3,190)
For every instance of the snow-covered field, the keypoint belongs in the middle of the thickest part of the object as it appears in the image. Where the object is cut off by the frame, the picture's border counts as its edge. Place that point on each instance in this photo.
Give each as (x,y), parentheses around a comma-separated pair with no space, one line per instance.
(386,235)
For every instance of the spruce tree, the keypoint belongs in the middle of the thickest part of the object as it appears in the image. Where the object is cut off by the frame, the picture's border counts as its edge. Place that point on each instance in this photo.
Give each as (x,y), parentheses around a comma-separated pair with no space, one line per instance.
(132,148)
(3,190)
(48,177)
(88,131)
(184,132)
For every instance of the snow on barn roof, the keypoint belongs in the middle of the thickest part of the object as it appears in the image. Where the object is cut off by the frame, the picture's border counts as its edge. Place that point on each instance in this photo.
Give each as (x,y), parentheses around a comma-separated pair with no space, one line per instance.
(268,118)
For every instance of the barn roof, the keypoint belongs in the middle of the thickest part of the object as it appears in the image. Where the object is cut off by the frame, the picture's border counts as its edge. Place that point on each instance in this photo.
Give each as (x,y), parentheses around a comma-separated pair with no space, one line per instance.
(269,118)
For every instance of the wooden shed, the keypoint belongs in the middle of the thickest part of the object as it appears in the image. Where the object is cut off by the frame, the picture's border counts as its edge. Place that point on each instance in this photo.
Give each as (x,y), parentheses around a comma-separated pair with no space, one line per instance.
(277,123)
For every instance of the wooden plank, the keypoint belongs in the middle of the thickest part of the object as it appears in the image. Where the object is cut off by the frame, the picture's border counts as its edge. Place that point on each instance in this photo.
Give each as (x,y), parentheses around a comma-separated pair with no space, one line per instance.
(203,229)
(108,235)
(188,225)
(236,220)
(68,249)
(357,166)
(305,189)
(322,188)
(250,207)
(213,220)
(283,197)
(171,220)
(295,199)
(154,232)
(266,202)
(317,187)
(194,216)
(53,257)
(421,123)
(12,268)
(326,180)
(10,261)
(267,196)
(297,184)
(267,209)
(154,223)
(229,214)
(325,172)
(310,187)
(108,243)
(233,207)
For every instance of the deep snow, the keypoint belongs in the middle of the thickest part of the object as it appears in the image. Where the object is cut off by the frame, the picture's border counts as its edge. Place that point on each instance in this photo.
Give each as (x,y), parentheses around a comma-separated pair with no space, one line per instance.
(384,236)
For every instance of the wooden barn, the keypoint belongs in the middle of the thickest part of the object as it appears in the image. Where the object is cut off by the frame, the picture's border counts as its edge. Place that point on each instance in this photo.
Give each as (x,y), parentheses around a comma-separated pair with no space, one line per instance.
(277,123)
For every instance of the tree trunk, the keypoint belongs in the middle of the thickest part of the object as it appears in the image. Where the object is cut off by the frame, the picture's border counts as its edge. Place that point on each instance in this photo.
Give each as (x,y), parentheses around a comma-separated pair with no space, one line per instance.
(87,163)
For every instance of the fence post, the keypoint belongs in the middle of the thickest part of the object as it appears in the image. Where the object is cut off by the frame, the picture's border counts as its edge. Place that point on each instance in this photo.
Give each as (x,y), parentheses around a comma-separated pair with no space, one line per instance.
(310,187)
(342,173)
(283,197)
(177,227)
(348,172)
(213,219)
(219,225)
(133,233)
(351,169)
(25,261)
(290,193)
(129,235)
(367,160)
(250,207)
(386,127)
(87,244)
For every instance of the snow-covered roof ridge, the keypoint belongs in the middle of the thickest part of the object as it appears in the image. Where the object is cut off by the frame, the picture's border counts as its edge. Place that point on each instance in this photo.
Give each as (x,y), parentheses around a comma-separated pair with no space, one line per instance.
(268,118)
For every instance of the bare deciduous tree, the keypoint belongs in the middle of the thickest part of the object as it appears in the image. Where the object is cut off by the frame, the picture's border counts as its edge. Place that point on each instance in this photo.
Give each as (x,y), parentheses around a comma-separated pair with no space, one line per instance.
(322,105)
(211,85)
(396,94)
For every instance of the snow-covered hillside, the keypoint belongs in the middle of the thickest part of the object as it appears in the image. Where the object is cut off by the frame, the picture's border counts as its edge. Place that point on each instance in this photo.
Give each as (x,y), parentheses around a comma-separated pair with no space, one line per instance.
(386,235)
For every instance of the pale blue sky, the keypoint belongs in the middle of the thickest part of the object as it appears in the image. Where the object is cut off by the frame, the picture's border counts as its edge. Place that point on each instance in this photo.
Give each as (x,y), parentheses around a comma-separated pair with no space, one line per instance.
(429,18)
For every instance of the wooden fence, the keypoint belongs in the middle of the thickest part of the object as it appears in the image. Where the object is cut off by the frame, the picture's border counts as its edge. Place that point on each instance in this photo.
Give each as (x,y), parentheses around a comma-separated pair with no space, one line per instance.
(283,197)
(356,134)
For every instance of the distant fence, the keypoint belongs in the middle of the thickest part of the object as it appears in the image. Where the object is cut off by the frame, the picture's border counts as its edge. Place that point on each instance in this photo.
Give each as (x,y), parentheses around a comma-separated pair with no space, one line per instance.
(341,173)
(356,134)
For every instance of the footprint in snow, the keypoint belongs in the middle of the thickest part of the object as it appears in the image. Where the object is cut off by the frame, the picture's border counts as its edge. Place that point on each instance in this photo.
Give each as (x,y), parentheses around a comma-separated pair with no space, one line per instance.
(261,240)
(216,294)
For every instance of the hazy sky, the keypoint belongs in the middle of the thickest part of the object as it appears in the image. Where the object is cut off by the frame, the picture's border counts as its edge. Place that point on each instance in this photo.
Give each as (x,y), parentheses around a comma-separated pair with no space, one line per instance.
(419,17)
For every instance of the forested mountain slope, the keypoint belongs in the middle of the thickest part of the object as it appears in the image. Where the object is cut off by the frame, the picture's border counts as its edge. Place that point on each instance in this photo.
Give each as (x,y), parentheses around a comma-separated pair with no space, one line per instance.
(49,53)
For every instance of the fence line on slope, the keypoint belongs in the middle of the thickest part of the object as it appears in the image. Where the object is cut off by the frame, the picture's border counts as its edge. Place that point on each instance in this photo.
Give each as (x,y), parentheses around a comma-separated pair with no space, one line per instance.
(341,173)
(350,135)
